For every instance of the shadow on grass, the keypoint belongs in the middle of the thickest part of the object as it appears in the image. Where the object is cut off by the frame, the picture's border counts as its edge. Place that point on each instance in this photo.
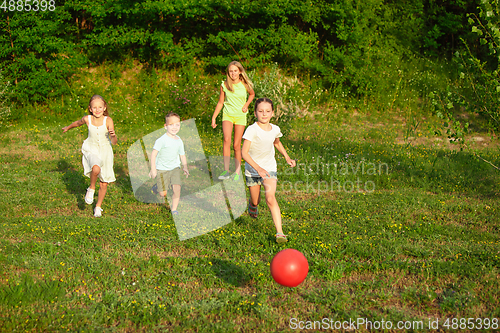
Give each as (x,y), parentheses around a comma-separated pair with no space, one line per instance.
(229,272)
(123,179)
(74,180)
(224,270)
(76,183)
(431,168)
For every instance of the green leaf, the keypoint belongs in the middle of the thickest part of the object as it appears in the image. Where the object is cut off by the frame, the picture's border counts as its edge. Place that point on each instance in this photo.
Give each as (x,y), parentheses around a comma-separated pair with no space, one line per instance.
(476,30)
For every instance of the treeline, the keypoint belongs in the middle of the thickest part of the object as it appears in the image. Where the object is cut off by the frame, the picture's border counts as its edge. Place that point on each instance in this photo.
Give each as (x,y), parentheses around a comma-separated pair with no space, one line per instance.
(344,43)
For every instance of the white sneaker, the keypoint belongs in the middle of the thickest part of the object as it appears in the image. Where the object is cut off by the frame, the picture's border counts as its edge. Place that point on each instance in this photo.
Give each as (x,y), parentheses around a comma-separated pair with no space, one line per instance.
(97,211)
(89,197)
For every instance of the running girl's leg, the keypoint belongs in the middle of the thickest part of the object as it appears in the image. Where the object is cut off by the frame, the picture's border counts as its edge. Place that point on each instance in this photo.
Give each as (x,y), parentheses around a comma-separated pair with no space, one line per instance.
(253,211)
(272,203)
(238,134)
(254,194)
(176,196)
(103,187)
(96,170)
(227,129)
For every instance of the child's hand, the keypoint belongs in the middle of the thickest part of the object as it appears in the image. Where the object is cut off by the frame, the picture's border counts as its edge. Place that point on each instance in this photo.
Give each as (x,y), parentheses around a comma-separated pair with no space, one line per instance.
(65,129)
(244,109)
(263,173)
(214,124)
(112,132)
(152,173)
(186,171)
(291,162)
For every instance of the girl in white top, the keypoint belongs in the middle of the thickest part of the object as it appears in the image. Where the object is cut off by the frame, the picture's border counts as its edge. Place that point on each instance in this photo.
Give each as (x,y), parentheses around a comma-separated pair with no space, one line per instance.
(97,151)
(260,165)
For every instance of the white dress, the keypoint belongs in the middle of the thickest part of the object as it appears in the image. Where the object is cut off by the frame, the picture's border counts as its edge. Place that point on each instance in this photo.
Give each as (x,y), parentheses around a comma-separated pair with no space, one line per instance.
(97,150)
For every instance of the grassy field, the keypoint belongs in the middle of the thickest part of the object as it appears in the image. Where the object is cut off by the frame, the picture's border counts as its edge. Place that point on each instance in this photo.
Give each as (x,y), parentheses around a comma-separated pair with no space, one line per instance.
(399,228)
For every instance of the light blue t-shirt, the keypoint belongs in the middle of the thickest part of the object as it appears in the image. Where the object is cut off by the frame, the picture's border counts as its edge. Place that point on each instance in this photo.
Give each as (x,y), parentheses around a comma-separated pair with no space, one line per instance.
(169,150)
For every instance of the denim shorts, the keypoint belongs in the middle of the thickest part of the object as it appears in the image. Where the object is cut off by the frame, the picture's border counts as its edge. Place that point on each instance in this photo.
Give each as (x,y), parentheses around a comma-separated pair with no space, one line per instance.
(258,180)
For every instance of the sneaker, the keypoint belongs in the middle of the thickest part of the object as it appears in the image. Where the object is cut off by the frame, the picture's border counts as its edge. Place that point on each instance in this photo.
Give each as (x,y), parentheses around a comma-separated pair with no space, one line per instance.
(281,238)
(97,211)
(154,189)
(224,175)
(174,212)
(236,177)
(89,197)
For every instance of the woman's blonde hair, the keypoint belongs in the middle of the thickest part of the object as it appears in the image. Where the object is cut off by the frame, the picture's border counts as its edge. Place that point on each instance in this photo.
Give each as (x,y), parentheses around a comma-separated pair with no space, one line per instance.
(243,77)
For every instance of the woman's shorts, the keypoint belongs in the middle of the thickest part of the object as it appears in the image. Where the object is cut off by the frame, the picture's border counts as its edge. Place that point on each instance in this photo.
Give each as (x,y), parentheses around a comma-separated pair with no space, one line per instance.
(165,179)
(258,180)
(235,119)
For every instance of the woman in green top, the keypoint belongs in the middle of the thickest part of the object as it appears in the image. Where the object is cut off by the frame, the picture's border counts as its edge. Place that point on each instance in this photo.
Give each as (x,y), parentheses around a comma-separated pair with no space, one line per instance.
(234,103)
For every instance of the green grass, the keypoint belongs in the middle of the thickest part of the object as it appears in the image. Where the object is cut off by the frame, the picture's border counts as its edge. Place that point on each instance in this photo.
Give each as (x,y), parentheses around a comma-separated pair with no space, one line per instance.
(422,244)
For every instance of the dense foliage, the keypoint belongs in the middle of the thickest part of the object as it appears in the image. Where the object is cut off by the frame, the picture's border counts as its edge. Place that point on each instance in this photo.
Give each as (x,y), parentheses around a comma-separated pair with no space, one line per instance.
(348,44)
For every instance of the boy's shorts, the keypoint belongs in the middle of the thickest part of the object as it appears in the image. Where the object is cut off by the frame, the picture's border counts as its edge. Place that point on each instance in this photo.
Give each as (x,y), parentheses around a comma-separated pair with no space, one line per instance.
(258,180)
(235,119)
(165,179)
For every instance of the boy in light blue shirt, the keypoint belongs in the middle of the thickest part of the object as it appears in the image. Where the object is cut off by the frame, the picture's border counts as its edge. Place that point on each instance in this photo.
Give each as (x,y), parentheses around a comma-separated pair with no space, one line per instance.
(168,153)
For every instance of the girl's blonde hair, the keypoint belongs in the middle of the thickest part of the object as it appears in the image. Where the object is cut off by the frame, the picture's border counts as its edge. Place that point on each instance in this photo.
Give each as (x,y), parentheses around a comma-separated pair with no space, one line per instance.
(243,77)
(105,113)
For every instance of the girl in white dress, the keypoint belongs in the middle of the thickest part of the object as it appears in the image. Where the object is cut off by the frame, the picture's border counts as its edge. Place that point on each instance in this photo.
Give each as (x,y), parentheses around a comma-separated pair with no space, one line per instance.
(97,151)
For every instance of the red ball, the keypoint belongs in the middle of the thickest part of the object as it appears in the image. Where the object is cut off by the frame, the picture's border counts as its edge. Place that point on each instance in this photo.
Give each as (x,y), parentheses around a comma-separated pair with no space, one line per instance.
(289,268)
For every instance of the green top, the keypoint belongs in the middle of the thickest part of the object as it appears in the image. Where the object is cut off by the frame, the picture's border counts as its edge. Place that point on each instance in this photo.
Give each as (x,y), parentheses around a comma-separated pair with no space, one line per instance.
(235,100)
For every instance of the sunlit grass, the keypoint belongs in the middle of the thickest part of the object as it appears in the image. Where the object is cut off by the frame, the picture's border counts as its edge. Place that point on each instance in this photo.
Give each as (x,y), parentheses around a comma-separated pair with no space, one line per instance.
(421,241)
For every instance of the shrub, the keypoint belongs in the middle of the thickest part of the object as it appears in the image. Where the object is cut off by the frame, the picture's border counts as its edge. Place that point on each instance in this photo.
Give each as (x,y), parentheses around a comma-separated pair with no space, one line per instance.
(4,101)
(291,98)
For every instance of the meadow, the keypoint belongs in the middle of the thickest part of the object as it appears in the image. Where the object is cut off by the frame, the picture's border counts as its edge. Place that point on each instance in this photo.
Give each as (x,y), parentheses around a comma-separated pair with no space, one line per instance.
(399,226)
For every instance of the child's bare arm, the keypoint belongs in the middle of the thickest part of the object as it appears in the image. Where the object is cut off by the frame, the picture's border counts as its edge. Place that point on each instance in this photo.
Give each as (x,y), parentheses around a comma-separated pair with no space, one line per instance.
(244,153)
(251,95)
(77,123)
(184,165)
(219,106)
(279,146)
(111,131)
(152,172)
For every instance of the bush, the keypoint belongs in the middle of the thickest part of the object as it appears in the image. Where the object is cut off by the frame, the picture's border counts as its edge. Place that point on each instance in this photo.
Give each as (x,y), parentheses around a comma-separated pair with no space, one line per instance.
(4,101)
(291,98)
